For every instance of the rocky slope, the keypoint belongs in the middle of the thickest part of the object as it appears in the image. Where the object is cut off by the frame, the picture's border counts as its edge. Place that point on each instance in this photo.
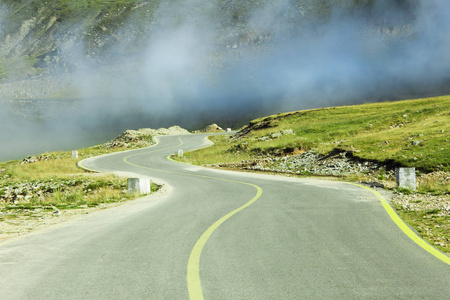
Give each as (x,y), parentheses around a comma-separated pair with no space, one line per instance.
(42,43)
(142,137)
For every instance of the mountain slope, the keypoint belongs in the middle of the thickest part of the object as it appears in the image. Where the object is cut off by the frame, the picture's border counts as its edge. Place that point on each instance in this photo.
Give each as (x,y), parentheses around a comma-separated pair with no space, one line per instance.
(411,133)
(39,37)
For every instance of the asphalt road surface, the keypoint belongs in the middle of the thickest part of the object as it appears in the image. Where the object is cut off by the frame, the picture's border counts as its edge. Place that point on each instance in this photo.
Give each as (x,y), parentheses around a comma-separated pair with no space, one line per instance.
(224,235)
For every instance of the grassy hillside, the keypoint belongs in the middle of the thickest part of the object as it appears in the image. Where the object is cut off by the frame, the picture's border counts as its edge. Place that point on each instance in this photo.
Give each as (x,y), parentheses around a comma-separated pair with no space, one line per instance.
(412,133)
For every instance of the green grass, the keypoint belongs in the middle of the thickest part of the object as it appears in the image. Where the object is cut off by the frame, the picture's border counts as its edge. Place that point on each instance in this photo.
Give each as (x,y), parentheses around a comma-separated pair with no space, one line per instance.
(378,131)
(433,227)
(64,185)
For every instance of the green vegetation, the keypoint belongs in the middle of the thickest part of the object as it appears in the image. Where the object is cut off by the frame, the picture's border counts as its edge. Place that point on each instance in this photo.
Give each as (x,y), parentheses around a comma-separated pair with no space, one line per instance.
(41,25)
(66,10)
(52,180)
(410,133)
(432,225)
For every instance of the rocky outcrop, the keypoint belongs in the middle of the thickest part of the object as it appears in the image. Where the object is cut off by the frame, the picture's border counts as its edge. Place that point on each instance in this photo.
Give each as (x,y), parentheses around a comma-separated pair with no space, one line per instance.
(212,128)
(33,159)
(309,163)
(130,138)
(57,38)
(142,137)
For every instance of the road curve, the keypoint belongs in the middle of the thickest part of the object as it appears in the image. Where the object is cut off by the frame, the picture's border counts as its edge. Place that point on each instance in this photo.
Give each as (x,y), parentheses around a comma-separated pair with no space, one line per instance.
(224,235)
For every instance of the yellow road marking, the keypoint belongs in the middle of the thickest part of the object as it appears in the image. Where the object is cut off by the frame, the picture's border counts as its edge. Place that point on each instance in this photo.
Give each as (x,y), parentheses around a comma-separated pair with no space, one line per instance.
(402,225)
(126,158)
(193,268)
(79,165)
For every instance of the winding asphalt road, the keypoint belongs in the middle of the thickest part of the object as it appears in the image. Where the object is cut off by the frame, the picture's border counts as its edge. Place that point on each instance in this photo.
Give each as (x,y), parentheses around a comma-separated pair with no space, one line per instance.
(224,235)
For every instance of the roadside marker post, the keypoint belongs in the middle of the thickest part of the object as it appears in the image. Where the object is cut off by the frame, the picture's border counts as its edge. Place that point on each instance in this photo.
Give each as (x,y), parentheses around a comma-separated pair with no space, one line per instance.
(406,178)
(75,154)
(180,153)
(138,185)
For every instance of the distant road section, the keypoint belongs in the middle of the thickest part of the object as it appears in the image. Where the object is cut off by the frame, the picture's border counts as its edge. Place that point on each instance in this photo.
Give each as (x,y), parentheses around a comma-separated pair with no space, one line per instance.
(223,235)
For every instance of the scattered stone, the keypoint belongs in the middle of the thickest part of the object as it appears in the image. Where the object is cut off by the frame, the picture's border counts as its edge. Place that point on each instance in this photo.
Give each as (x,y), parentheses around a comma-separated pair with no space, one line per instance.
(431,206)
(212,128)
(276,135)
(33,159)
(440,177)
(310,162)
(24,192)
(288,132)
(143,137)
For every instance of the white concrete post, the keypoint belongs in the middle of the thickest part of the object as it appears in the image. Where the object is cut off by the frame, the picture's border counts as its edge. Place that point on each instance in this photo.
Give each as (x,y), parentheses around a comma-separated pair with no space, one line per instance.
(228,129)
(138,185)
(406,178)
(180,153)
(75,154)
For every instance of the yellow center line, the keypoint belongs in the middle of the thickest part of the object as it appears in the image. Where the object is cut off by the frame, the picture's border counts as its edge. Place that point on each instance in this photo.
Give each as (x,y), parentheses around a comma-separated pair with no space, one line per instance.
(80,165)
(126,158)
(193,267)
(406,230)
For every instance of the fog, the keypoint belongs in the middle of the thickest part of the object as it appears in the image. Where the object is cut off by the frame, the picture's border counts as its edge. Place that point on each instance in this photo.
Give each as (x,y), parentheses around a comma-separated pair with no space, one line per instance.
(199,66)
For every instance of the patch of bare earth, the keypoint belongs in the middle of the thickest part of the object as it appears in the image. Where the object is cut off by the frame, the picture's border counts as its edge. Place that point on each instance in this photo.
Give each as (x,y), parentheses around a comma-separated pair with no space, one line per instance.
(16,223)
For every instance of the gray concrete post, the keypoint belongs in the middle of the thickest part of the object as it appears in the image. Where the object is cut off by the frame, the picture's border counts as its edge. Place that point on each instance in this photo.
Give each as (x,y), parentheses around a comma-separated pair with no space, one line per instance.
(138,185)
(406,178)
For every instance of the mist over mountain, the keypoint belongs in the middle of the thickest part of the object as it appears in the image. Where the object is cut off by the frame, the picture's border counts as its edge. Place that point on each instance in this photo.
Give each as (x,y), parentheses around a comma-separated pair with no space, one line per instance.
(71,71)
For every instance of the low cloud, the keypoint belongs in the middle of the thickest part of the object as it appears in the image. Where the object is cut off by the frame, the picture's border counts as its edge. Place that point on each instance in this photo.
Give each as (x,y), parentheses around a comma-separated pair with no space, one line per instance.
(207,63)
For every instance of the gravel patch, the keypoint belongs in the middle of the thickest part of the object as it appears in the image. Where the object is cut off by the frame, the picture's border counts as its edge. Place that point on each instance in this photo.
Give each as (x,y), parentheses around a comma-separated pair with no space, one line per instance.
(311,163)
